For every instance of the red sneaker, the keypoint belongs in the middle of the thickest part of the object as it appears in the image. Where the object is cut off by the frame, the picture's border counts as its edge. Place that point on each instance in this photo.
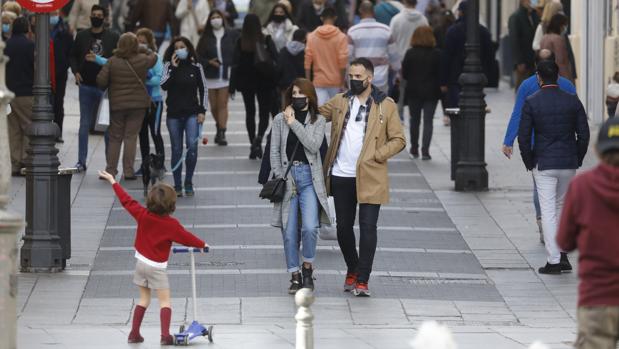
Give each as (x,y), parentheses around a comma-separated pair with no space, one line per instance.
(351,280)
(167,340)
(361,289)
(135,338)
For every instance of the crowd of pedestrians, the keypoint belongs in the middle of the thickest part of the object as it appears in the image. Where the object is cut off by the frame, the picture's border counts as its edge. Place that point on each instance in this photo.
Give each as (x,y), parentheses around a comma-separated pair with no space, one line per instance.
(352,66)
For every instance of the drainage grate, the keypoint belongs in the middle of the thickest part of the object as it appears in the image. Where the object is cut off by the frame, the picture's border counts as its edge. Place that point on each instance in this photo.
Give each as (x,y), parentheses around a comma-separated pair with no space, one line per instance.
(209,264)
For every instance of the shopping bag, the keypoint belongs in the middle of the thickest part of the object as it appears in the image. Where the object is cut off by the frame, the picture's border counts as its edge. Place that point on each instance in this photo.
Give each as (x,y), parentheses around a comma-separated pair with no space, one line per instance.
(329,231)
(103,114)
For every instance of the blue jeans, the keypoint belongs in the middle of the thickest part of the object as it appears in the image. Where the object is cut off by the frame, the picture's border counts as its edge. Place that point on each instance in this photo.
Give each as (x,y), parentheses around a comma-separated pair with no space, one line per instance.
(324,94)
(189,126)
(305,201)
(89,97)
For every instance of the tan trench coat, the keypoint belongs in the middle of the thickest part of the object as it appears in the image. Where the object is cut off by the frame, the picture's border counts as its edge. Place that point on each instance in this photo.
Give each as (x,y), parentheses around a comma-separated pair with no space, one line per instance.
(383,139)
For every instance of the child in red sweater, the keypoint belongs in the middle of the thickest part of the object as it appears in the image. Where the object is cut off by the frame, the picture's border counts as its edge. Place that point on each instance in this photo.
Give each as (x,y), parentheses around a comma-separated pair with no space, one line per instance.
(155,233)
(590,222)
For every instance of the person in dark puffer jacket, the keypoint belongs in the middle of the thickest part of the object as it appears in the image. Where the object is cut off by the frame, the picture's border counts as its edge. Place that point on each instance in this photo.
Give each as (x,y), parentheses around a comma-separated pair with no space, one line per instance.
(124,76)
(559,122)
(183,79)
(215,51)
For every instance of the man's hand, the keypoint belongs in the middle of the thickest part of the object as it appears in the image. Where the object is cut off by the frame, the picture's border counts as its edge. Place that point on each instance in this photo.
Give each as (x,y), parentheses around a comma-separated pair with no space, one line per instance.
(444,89)
(108,177)
(521,68)
(508,151)
(91,57)
(214,62)
(289,115)
(189,5)
(201,118)
(205,246)
(78,78)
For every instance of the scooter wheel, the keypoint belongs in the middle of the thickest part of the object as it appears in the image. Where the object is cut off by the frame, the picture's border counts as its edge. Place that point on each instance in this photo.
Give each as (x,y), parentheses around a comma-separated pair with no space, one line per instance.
(210,334)
(181,329)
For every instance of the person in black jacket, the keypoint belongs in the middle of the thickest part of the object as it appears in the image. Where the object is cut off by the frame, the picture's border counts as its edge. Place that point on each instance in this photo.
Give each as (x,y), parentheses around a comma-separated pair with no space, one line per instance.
(310,11)
(522,25)
(290,61)
(420,69)
(19,80)
(63,43)
(215,50)
(253,73)
(453,55)
(183,78)
(94,41)
(559,122)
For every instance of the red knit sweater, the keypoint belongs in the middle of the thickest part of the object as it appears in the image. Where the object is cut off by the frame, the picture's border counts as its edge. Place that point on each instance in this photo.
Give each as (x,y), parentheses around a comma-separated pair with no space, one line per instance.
(155,233)
(590,222)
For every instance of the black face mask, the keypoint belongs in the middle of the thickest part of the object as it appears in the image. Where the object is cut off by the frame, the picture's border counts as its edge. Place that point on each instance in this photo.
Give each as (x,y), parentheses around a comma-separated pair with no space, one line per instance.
(96,22)
(279,18)
(357,86)
(299,103)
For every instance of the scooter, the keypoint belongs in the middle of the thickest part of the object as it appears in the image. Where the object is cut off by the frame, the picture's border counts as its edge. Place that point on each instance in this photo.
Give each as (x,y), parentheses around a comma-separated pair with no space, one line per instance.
(195,329)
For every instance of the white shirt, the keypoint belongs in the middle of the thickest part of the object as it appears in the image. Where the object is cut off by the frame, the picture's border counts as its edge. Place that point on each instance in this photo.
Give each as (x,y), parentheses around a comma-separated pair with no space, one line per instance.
(161,265)
(352,142)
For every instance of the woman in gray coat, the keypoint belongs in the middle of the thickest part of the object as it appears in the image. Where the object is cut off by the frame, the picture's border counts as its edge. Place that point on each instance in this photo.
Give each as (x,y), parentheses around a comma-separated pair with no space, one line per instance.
(297,134)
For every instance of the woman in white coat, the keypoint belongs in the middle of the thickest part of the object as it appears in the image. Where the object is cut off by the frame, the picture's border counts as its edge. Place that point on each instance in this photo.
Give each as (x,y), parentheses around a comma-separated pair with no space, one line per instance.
(280,26)
(192,15)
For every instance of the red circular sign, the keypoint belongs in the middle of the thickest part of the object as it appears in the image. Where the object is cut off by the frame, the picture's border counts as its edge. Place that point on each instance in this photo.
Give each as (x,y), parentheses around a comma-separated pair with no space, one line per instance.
(43,5)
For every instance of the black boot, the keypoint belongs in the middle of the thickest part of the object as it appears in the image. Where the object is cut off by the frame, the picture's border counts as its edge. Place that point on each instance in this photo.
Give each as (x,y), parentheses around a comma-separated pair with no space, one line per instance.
(308,278)
(218,137)
(565,263)
(295,283)
(256,147)
(222,137)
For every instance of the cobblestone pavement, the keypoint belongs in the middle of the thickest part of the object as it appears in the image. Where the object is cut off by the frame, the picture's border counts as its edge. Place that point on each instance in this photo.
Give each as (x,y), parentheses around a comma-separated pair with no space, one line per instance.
(464,259)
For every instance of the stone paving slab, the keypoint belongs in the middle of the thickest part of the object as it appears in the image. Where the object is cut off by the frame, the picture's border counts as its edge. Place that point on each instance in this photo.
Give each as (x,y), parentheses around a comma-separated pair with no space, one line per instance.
(276,284)
(248,258)
(270,236)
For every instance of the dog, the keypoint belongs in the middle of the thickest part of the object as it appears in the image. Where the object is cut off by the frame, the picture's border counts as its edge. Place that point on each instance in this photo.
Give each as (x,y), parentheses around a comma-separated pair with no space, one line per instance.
(153,170)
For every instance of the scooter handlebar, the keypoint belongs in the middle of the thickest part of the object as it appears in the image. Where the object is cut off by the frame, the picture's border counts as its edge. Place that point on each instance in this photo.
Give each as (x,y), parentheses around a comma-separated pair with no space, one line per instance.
(187,250)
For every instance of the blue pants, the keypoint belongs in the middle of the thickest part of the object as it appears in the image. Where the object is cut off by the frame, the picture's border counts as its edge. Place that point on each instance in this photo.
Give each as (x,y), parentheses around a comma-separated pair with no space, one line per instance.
(189,126)
(306,202)
(89,97)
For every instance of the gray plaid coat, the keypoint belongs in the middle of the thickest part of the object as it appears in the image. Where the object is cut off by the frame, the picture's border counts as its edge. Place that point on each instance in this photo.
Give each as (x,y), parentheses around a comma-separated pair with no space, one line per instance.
(311,137)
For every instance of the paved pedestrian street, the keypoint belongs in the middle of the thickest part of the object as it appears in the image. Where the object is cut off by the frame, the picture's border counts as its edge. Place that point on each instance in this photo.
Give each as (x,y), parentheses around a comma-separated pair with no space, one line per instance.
(468,260)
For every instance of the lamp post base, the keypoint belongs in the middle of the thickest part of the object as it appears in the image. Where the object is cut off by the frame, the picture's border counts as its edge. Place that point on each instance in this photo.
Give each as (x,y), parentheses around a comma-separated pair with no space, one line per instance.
(471,176)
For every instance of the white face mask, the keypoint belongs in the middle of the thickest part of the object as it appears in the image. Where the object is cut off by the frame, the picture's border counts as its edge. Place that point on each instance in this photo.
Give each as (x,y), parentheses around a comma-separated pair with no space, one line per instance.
(217,23)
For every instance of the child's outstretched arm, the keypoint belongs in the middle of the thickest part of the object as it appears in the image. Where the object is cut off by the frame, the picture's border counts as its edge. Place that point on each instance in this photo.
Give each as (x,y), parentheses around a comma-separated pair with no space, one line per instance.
(186,238)
(133,207)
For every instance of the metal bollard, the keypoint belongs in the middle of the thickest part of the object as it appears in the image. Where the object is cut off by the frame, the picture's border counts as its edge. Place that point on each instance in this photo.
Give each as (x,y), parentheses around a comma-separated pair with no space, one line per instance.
(305,328)
(10,224)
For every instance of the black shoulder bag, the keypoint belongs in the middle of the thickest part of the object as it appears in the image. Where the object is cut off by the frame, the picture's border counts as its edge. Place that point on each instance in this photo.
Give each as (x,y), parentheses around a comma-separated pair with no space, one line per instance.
(275,189)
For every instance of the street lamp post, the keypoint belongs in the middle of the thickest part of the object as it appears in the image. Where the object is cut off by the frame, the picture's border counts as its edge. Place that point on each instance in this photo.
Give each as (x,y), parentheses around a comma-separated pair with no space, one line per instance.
(41,251)
(10,224)
(471,173)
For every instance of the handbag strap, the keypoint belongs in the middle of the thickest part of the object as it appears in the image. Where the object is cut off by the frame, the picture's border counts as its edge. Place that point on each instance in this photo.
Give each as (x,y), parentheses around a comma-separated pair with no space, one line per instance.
(137,77)
(290,162)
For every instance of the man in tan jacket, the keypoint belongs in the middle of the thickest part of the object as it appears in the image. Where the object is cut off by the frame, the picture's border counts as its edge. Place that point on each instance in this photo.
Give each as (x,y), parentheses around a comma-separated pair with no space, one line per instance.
(365,132)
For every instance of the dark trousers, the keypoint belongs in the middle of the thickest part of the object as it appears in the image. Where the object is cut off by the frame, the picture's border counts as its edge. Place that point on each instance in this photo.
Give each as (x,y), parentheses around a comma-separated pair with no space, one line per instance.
(453,95)
(416,107)
(265,98)
(61,87)
(152,122)
(344,192)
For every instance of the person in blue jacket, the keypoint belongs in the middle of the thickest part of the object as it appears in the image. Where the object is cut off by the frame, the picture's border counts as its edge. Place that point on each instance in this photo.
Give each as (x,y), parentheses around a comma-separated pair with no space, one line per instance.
(152,119)
(526,89)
